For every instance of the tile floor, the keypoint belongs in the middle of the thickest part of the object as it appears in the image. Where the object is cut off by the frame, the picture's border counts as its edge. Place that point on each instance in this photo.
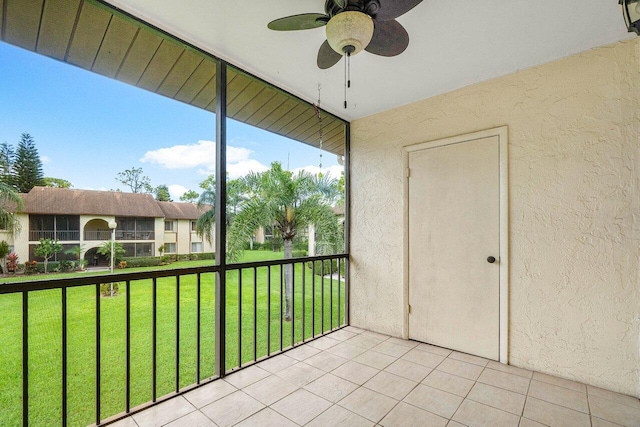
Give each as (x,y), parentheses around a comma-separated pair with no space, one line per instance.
(360,378)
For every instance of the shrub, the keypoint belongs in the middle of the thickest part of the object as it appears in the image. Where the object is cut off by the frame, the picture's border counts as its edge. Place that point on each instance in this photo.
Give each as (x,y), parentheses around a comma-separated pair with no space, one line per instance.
(122,265)
(65,265)
(105,289)
(299,253)
(326,268)
(151,261)
(12,262)
(31,267)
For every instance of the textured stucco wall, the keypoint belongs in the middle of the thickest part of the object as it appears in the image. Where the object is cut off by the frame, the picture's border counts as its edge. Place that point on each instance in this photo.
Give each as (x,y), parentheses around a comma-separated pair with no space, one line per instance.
(574,143)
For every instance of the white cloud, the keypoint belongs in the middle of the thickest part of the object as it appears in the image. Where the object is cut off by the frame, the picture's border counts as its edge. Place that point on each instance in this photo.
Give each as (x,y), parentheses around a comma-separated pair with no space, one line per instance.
(45,159)
(202,154)
(177,190)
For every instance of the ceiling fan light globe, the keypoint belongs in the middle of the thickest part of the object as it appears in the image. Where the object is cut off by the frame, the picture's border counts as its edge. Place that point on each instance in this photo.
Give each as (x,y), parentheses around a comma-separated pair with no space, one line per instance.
(349,29)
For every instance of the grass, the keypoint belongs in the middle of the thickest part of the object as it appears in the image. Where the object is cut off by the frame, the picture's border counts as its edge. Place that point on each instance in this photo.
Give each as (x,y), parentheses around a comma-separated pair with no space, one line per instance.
(45,338)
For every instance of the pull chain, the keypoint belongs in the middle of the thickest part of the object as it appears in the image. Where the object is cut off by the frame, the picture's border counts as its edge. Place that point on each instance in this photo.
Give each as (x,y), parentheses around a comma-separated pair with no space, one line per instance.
(347,76)
(316,107)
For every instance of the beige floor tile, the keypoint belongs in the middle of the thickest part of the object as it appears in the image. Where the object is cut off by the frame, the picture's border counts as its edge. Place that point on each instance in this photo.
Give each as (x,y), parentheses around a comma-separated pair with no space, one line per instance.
(614,412)
(622,399)
(572,385)
(337,416)
(269,390)
(597,422)
(301,406)
(194,419)
(374,359)
(409,370)
(355,372)
(424,358)
(209,393)
(400,341)
(389,348)
(474,414)
(341,335)
(448,382)
(455,424)
(405,415)
(376,335)
(461,369)
(125,422)
(559,395)
(232,409)
(469,358)
(368,404)
(300,374)
(164,412)
(277,363)
(364,341)
(325,361)
(554,415)
(353,329)
(506,381)
(246,376)
(440,351)
(499,398)
(433,400)
(323,343)
(267,418)
(346,350)
(524,422)
(303,352)
(331,387)
(509,369)
(391,385)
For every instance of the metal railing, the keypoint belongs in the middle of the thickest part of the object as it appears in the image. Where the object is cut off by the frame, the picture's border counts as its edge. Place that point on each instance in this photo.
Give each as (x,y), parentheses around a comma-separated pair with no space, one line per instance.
(83,357)
(97,235)
(134,235)
(63,235)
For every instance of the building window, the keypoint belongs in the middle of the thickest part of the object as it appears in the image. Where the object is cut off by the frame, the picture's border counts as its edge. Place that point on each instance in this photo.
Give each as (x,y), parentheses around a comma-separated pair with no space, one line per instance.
(170,248)
(193,226)
(196,247)
(169,225)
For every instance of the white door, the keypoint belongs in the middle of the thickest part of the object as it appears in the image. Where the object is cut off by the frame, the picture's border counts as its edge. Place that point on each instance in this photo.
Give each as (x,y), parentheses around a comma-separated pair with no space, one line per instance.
(454,231)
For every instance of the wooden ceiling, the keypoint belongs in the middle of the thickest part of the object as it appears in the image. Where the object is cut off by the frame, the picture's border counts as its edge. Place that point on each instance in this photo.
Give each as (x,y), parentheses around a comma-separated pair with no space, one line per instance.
(95,37)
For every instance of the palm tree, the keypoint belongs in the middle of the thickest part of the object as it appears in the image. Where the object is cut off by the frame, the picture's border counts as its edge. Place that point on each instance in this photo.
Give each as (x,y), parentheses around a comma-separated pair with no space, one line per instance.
(289,203)
(10,202)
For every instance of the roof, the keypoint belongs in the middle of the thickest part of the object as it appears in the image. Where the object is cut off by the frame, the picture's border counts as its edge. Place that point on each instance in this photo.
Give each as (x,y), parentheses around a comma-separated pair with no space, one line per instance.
(64,201)
(174,210)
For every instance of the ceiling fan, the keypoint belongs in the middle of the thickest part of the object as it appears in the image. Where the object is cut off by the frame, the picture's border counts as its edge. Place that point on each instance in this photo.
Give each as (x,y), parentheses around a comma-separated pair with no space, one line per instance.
(354,25)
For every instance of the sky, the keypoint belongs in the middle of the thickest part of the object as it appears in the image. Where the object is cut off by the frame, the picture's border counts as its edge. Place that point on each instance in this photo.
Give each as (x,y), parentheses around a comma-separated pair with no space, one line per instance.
(87,128)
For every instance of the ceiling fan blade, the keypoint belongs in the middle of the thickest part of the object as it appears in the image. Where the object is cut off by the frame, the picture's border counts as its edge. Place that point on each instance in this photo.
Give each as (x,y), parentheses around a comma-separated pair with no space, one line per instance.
(327,57)
(391,9)
(305,21)
(389,38)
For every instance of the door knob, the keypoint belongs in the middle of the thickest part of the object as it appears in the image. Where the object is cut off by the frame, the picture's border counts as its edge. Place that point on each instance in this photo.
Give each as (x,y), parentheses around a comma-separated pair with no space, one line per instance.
(491,260)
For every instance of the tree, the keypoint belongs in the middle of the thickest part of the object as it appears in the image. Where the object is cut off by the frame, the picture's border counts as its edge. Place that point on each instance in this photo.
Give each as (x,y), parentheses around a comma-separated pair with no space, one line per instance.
(77,252)
(10,202)
(7,159)
(162,193)
(27,167)
(48,181)
(277,198)
(105,250)
(4,251)
(47,249)
(189,196)
(235,196)
(135,180)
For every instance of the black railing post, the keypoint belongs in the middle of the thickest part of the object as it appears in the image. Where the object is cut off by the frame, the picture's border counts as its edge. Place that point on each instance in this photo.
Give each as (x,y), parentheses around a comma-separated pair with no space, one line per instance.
(154,339)
(127,398)
(98,353)
(25,358)
(198,327)
(177,334)
(255,313)
(64,357)
(221,206)
(268,310)
(347,217)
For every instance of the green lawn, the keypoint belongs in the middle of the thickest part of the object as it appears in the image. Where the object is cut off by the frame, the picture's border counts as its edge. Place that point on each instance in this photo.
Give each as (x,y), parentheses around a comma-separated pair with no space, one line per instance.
(45,338)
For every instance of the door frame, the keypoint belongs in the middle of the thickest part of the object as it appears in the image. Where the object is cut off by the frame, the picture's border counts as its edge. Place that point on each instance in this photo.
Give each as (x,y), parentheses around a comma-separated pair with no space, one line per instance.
(502,134)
